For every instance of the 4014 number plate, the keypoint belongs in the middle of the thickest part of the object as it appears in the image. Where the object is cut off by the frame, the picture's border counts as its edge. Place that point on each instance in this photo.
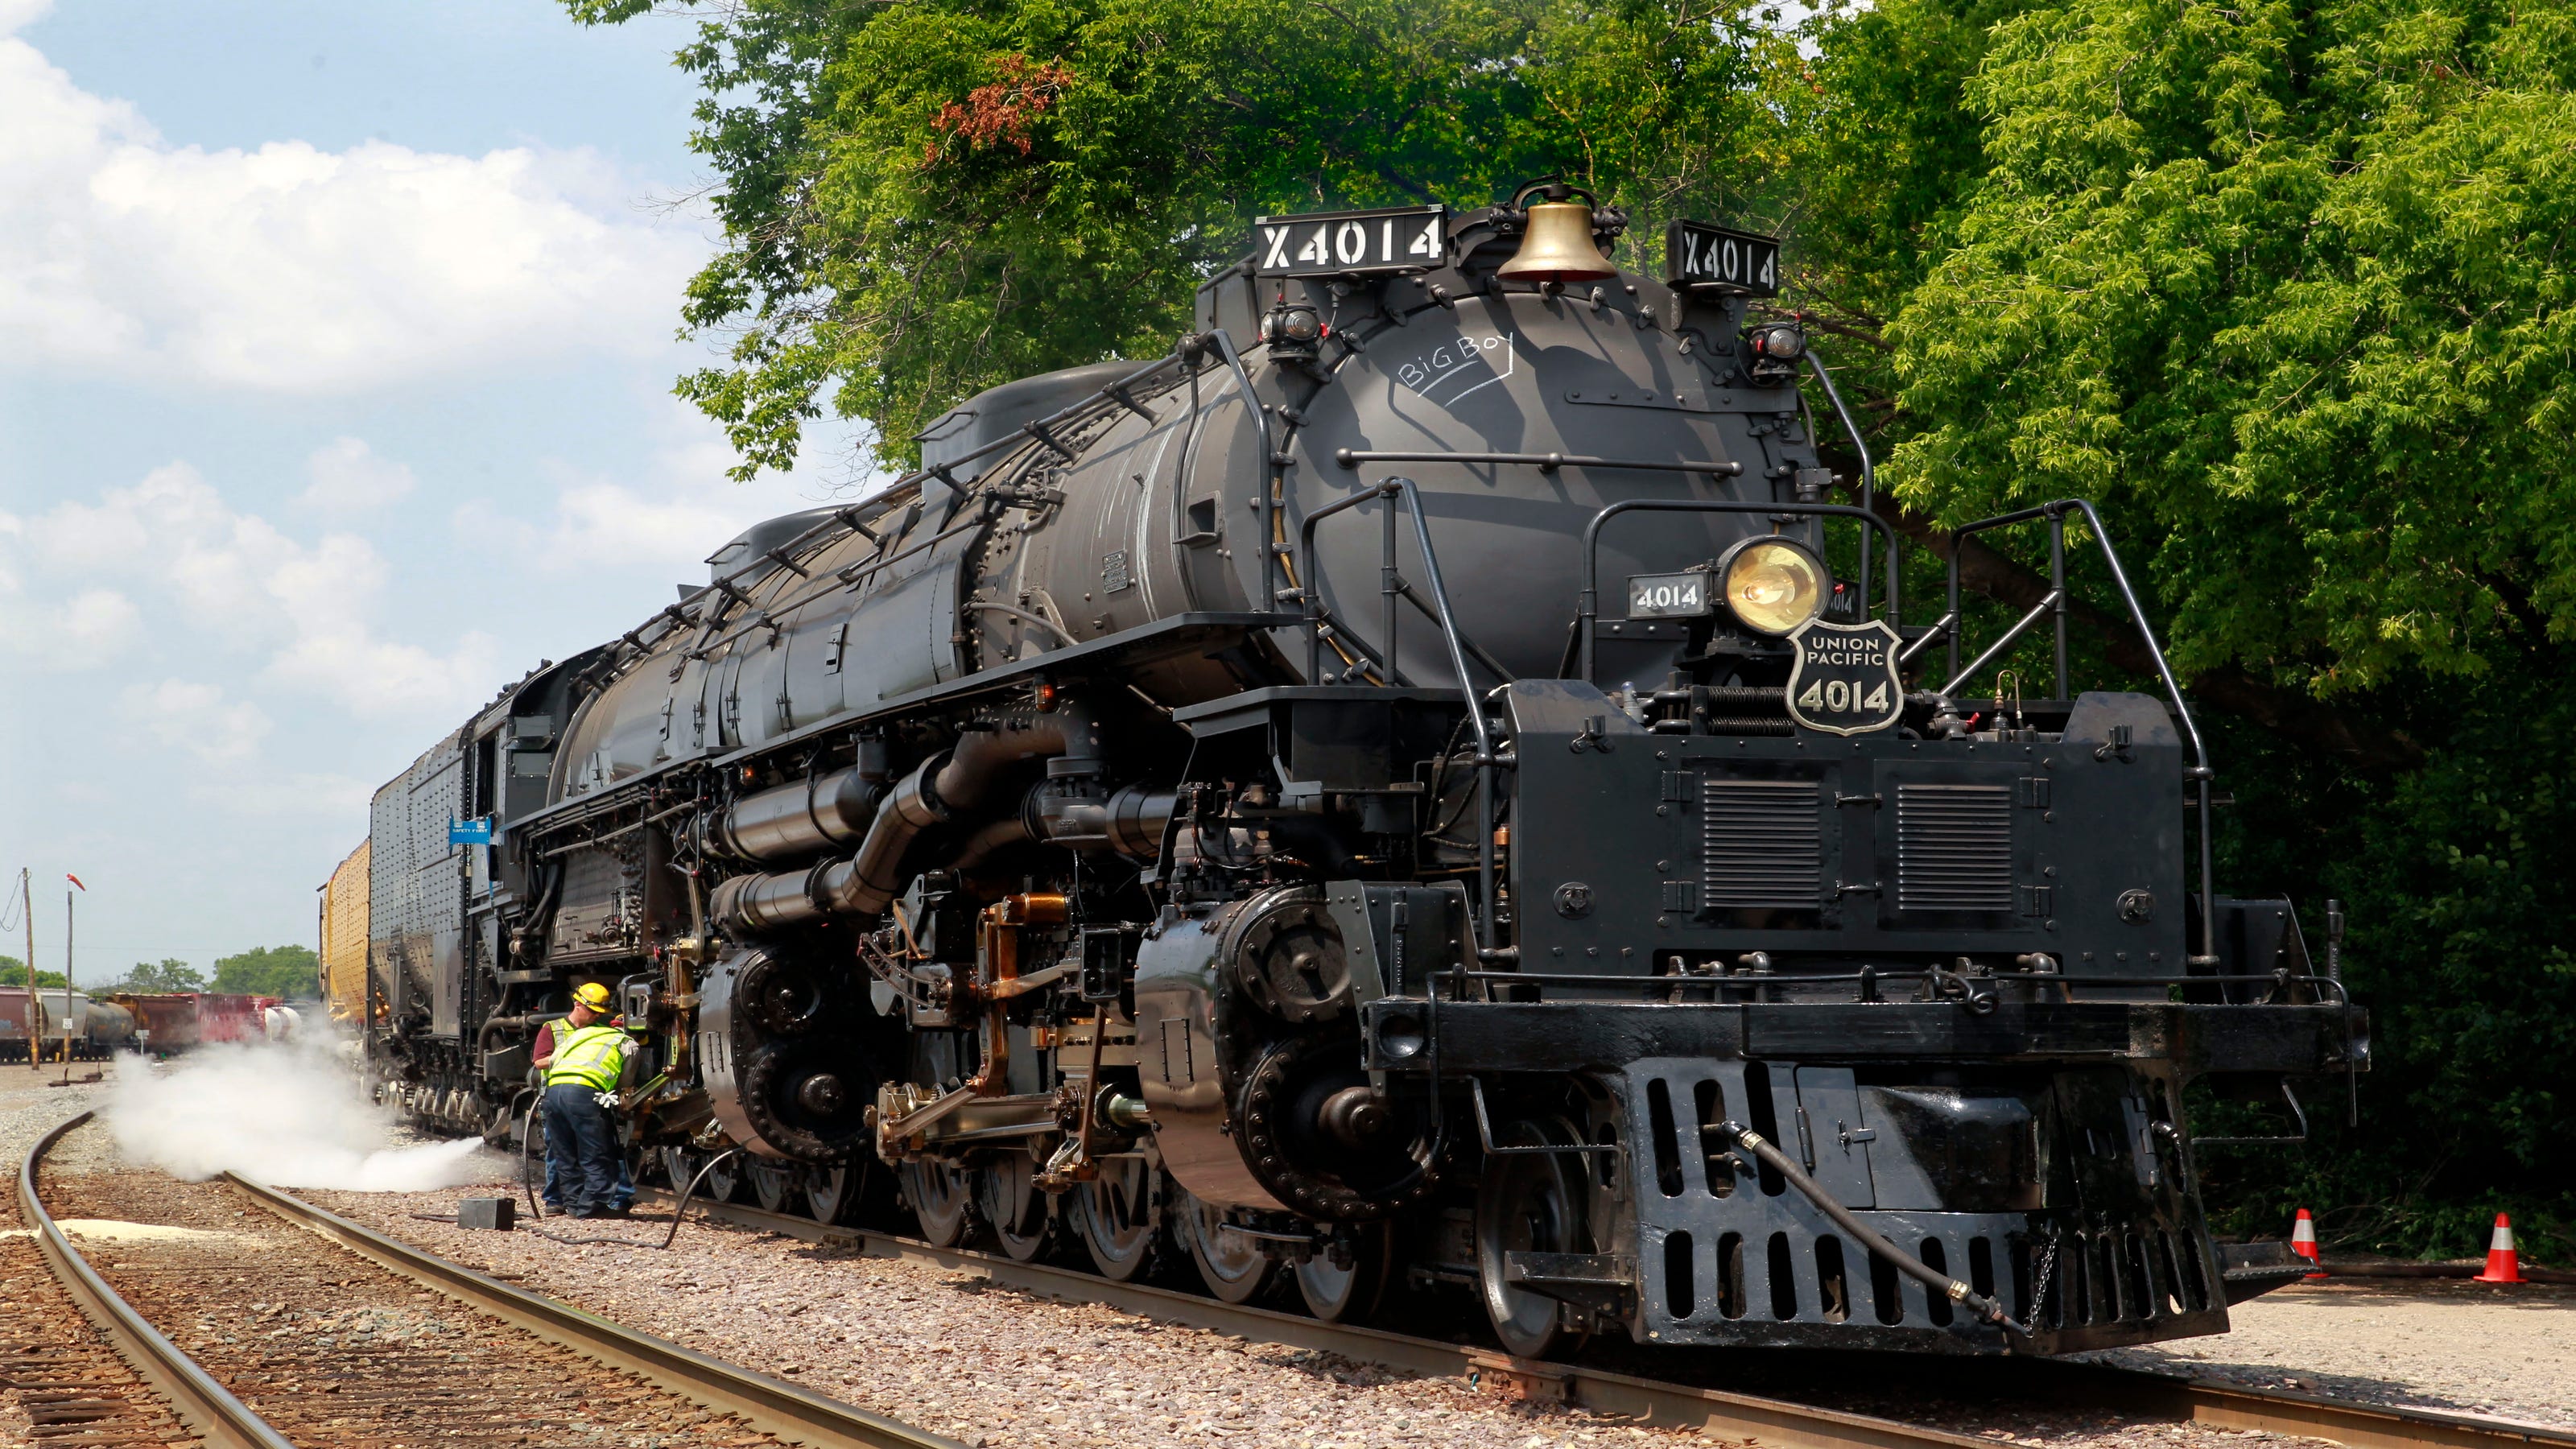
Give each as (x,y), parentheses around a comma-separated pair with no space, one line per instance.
(1845,681)
(1351,243)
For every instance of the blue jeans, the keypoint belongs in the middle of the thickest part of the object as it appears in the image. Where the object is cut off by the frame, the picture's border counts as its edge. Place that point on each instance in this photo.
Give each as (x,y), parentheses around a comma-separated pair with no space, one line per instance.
(581,1147)
(555,1184)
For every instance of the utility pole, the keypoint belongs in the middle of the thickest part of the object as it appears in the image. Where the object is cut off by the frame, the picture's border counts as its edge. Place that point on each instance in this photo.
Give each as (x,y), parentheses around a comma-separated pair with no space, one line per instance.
(35,1012)
(67,976)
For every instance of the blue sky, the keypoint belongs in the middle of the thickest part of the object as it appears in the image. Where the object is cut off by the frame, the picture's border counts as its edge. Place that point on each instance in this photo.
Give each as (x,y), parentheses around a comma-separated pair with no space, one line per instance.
(336,344)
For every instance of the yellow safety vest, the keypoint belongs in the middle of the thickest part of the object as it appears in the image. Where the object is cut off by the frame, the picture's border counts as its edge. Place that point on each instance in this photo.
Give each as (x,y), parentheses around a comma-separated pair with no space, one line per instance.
(591,1056)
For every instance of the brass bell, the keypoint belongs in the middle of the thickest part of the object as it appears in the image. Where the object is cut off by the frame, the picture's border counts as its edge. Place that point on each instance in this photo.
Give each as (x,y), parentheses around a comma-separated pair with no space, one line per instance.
(1557,246)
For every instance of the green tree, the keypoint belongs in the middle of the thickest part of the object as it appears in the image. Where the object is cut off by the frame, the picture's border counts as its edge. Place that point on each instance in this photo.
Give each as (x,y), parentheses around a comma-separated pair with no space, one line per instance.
(923,200)
(292,972)
(13,972)
(169,974)
(2287,289)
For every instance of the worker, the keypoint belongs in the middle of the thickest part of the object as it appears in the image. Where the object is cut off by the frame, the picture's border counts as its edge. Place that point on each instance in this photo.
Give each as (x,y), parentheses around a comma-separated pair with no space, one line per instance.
(581,1141)
(559,1174)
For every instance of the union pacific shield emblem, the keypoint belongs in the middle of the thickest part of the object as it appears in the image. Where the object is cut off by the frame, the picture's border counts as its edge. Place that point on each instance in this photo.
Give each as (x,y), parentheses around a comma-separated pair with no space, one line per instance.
(1845,681)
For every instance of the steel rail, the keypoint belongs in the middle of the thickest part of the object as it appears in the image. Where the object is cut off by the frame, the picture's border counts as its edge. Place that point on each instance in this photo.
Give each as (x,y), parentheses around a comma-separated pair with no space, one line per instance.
(205,1406)
(797,1415)
(1718,1412)
(1722,1413)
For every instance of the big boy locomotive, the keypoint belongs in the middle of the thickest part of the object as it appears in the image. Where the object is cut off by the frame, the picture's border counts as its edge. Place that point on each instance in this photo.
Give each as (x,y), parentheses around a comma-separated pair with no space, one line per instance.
(1418,785)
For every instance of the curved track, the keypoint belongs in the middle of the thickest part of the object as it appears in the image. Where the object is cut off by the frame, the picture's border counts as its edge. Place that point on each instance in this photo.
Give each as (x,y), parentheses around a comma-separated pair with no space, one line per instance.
(1718,1412)
(319,1382)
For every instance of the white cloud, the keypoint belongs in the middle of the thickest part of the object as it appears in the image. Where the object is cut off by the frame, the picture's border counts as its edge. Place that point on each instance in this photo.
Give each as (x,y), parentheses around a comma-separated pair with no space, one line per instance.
(348,477)
(88,630)
(233,576)
(294,269)
(195,717)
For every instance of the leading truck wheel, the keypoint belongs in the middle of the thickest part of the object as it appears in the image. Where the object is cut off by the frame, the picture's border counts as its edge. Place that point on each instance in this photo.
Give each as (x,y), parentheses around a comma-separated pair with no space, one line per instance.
(1115,1214)
(941,1198)
(1230,1263)
(1529,1204)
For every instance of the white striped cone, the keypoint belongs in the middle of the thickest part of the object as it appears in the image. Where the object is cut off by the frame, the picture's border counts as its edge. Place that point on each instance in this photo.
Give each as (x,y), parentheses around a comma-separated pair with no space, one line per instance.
(2504,1265)
(2303,1241)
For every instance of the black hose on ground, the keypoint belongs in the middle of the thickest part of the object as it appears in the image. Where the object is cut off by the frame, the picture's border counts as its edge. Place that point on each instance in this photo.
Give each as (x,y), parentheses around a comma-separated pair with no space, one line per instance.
(1984,1308)
(678,1209)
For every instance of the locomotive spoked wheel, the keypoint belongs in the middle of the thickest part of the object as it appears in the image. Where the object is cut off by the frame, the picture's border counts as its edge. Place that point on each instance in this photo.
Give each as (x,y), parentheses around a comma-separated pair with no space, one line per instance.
(1231,1264)
(831,1191)
(724,1181)
(772,1183)
(1115,1215)
(1529,1204)
(1007,1192)
(1341,1294)
(941,1199)
(678,1166)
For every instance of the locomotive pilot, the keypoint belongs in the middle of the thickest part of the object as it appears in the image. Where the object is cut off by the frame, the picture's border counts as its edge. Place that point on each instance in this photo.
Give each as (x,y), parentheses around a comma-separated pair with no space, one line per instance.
(582,1059)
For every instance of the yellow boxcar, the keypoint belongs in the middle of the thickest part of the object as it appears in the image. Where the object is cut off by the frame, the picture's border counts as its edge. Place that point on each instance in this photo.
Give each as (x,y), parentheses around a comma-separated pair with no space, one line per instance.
(344,937)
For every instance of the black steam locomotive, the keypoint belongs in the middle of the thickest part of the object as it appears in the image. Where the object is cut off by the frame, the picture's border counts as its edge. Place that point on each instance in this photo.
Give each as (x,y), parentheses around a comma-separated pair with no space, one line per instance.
(1418,785)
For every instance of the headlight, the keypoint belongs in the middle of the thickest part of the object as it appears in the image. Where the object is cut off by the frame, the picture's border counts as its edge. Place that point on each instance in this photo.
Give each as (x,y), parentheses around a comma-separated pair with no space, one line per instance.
(1773,585)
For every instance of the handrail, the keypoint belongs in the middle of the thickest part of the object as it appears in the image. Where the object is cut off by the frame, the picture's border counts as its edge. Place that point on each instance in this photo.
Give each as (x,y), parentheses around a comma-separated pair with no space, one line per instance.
(1588,605)
(1544,462)
(1393,586)
(2201,774)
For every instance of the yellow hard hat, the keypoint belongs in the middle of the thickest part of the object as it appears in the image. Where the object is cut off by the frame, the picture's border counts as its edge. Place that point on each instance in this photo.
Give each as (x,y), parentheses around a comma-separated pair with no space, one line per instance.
(591,994)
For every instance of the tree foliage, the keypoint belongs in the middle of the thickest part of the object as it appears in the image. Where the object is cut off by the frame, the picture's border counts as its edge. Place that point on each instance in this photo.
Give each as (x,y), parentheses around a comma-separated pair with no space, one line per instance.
(922,200)
(291,972)
(13,972)
(168,974)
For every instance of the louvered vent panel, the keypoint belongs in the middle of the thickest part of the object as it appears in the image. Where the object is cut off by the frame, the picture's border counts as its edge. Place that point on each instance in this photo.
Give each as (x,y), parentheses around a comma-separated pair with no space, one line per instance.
(1954,848)
(1760,844)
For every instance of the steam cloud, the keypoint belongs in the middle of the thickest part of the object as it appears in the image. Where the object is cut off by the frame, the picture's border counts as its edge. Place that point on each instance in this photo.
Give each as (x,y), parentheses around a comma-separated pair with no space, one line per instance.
(289,1114)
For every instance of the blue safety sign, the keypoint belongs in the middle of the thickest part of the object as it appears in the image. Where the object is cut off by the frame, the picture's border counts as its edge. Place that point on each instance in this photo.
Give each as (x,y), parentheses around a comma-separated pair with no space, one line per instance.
(470,832)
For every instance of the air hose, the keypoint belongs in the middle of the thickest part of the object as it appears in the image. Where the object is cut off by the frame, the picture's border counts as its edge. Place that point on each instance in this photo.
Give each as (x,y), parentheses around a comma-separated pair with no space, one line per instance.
(1985,1309)
(537,1213)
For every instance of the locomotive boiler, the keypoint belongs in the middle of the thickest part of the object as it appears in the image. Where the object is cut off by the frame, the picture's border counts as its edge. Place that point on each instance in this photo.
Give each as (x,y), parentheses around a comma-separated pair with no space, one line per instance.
(1422,785)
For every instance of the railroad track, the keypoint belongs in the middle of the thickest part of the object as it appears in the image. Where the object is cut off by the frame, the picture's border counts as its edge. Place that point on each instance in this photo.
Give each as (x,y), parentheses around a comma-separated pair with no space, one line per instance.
(265,1398)
(335,1336)
(1719,1412)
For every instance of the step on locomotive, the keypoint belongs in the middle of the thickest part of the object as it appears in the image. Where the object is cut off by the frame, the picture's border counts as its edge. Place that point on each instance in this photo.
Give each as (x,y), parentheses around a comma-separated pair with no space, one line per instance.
(1421,785)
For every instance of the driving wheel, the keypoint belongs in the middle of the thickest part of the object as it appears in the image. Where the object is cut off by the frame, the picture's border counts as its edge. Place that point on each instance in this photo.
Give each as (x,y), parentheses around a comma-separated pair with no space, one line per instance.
(723,1181)
(1345,1292)
(1230,1263)
(1115,1215)
(831,1192)
(1007,1192)
(940,1199)
(772,1183)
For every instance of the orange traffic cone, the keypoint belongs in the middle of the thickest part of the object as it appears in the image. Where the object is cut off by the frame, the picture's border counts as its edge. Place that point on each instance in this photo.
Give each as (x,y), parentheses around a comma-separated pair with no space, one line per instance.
(2303,1241)
(2503,1264)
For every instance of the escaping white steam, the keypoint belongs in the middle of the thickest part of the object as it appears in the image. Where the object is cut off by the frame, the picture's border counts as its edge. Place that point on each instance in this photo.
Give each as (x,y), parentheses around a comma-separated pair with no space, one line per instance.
(289,1114)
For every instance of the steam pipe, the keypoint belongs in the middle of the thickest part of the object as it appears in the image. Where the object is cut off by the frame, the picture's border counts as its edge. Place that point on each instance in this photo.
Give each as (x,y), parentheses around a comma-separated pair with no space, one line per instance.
(794,821)
(937,790)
